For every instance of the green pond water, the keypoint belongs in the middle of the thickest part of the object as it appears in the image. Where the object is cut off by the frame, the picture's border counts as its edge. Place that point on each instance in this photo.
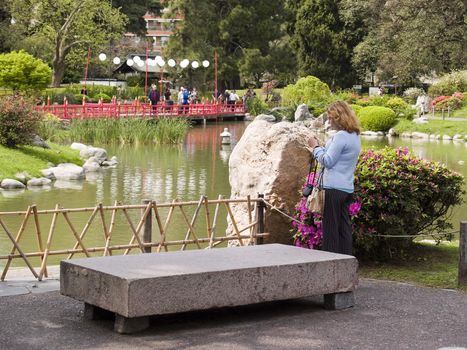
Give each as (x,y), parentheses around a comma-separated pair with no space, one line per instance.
(162,173)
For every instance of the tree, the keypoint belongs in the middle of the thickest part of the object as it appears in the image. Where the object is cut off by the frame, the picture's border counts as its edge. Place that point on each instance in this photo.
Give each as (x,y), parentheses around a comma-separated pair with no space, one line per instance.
(68,25)
(135,10)
(22,72)
(322,41)
(239,30)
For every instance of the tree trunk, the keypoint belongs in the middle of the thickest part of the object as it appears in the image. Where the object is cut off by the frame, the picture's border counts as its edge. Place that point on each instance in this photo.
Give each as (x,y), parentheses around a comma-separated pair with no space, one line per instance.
(58,72)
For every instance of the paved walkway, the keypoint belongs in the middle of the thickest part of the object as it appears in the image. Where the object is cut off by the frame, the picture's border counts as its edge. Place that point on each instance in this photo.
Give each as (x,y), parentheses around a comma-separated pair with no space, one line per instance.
(388,315)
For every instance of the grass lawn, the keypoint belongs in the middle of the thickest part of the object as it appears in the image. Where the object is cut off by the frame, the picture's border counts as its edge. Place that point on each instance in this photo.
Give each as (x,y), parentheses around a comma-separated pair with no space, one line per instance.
(428,265)
(34,159)
(458,113)
(441,127)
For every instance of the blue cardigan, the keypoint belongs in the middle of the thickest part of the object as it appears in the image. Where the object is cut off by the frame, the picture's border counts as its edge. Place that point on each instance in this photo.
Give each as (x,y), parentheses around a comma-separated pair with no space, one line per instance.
(339,158)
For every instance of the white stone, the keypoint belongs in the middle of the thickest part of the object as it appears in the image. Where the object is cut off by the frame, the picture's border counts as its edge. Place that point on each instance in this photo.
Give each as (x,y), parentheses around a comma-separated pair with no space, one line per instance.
(302,113)
(91,164)
(78,146)
(41,181)
(392,132)
(99,153)
(380,133)
(10,184)
(447,137)
(248,117)
(68,171)
(420,121)
(370,133)
(458,137)
(266,117)
(273,160)
(420,135)
(48,173)
(406,135)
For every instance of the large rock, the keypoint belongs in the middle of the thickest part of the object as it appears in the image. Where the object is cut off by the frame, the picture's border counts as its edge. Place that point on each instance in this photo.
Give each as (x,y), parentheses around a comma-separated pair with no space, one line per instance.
(39,142)
(266,117)
(78,146)
(273,160)
(302,113)
(68,171)
(91,164)
(41,181)
(10,184)
(99,153)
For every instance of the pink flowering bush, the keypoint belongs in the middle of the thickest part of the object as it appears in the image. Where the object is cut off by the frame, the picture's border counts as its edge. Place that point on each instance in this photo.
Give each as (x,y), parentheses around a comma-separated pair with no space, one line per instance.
(396,194)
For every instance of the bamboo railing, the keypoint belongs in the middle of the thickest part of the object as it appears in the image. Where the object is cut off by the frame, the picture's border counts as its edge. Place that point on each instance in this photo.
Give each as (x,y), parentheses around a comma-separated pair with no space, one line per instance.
(148,233)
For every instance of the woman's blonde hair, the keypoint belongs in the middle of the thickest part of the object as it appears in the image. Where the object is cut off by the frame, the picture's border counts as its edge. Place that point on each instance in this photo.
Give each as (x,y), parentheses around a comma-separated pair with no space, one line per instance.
(344,116)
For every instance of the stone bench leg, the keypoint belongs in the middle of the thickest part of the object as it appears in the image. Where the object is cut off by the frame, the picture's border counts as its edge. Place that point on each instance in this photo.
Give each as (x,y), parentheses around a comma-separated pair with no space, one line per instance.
(339,301)
(92,312)
(125,325)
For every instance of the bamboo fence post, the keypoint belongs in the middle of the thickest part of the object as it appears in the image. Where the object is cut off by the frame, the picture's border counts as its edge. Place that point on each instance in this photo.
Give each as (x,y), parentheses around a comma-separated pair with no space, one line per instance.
(112,224)
(133,230)
(166,225)
(18,237)
(214,222)
(190,227)
(261,207)
(234,223)
(147,230)
(10,236)
(462,278)
(39,236)
(159,222)
(75,233)
(49,242)
(208,219)
(195,216)
(85,229)
(138,228)
(104,226)
(250,219)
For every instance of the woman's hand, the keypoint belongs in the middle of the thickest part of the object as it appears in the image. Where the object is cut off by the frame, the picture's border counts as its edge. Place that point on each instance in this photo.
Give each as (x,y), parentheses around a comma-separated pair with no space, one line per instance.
(313,142)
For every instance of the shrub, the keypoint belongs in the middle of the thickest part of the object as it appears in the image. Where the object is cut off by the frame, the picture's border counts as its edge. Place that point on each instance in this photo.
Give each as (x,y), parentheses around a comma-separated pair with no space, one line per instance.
(396,194)
(79,98)
(256,106)
(101,96)
(401,108)
(356,108)
(309,90)
(450,102)
(346,95)
(18,121)
(411,94)
(449,83)
(377,118)
(20,71)
(401,195)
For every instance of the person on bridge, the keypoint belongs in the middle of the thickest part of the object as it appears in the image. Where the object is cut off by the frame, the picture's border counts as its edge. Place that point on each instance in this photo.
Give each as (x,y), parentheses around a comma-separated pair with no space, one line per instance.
(154,97)
(338,159)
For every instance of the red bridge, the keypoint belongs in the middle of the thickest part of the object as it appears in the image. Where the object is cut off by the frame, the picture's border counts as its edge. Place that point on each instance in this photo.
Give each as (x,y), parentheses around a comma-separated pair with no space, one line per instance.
(201,111)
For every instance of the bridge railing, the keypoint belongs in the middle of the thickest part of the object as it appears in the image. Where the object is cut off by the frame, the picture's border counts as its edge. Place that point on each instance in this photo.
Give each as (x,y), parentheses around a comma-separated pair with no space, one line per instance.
(127,110)
(37,235)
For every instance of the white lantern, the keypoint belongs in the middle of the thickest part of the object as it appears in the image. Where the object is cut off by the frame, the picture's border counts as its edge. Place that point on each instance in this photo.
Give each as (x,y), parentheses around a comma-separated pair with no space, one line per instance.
(161,62)
(130,62)
(102,56)
(140,63)
(171,62)
(136,58)
(195,64)
(205,63)
(151,62)
(116,60)
(184,63)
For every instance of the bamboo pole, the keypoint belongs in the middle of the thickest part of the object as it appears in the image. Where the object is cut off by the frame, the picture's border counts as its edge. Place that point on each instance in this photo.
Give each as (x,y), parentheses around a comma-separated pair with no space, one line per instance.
(208,219)
(159,222)
(22,255)
(39,236)
(234,223)
(166,225)
(214,223)
(112,224)
(85,228)
(190,227)
(104,226)
(75,233)
(49,243)
(195,215)
(140,225)
(250,218)
(133,230)
(18,237)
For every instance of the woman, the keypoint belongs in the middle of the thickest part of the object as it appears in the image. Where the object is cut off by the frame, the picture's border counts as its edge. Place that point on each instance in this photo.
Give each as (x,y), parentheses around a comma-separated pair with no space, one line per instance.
(339,159)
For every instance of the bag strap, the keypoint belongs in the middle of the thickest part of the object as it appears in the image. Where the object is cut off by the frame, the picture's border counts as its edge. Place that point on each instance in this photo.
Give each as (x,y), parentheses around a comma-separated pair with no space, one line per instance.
(313,160)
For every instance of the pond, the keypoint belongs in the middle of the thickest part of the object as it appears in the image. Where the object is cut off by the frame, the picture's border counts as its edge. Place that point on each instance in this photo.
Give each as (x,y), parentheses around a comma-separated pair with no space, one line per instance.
(162,173)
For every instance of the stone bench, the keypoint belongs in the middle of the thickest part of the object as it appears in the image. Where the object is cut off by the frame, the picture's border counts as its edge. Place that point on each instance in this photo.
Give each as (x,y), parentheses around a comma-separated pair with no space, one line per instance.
(135,287)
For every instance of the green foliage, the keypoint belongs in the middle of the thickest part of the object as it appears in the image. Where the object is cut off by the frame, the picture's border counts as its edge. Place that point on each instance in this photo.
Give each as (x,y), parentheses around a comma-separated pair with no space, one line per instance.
(102,97)
(449,84)
(22,72)
(256,106)
(309,90)
(377,118)
(356,108)
(411,94)
(401,108)
(435,127)
(18,121)
(401,195)
(131,130)
(135,10)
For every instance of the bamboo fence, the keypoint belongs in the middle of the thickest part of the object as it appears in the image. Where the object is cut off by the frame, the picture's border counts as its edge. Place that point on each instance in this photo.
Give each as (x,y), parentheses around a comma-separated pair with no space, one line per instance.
(142,235)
